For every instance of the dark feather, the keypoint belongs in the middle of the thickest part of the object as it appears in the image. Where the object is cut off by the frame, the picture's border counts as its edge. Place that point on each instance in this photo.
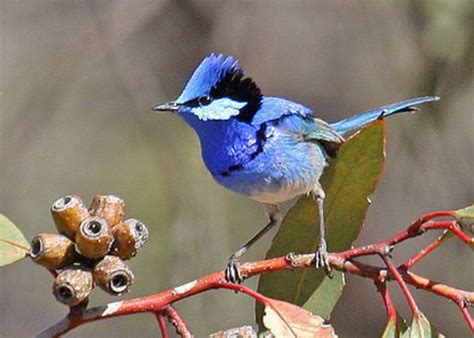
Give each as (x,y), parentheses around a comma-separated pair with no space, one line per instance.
(234,86)
(330,148)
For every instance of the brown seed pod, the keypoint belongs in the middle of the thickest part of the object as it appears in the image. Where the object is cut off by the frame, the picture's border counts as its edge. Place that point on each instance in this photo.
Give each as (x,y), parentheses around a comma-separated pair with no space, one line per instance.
(113,275)
(109,207)
(73,285)
(129,237)
(68,213)
(53,251)
(94,238)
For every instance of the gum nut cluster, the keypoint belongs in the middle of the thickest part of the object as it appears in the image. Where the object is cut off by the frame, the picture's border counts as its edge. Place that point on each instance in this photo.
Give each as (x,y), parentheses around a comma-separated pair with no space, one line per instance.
(90,248)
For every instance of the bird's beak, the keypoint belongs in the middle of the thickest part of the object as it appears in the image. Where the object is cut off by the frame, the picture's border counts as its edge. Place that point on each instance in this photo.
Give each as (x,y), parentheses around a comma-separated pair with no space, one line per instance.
(169,106)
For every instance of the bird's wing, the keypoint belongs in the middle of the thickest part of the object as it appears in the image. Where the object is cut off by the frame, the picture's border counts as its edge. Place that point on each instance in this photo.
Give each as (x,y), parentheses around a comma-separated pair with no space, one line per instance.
(274,108)
(324,132)
(299,120)
(326,136)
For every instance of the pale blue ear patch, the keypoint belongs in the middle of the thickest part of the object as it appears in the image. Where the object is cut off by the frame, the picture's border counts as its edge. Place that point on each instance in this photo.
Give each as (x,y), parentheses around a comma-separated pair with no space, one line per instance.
(219,109)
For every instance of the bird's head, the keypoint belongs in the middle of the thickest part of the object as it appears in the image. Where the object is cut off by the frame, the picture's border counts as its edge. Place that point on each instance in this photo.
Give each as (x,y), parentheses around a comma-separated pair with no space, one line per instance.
(217,90)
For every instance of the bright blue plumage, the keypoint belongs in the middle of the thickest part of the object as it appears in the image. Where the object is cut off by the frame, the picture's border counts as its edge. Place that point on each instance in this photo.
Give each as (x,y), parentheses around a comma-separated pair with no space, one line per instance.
(357,121)
(211,70)
(269,149)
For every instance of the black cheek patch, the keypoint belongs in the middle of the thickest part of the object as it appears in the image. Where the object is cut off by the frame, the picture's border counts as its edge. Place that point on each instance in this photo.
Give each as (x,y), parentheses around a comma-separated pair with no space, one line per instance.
(234,86)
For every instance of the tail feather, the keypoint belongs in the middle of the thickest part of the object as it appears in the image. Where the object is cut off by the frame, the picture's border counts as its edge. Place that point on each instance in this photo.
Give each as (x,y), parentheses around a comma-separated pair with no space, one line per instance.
(356,122)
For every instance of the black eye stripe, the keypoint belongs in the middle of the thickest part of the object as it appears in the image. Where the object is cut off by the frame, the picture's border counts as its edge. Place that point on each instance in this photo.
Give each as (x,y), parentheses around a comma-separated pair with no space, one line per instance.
(235,86)
(199,101)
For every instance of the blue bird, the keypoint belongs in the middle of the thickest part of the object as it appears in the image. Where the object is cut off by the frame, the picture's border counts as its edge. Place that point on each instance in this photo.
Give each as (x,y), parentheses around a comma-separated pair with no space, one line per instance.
(267,148)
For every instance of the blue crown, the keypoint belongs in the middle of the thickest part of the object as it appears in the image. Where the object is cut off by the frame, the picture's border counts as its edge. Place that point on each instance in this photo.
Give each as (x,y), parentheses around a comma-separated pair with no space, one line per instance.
(219,76)
(207,75)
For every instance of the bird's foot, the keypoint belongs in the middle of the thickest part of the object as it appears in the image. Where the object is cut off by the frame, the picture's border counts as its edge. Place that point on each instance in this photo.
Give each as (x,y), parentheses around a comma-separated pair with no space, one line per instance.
(321,258)
(232,271)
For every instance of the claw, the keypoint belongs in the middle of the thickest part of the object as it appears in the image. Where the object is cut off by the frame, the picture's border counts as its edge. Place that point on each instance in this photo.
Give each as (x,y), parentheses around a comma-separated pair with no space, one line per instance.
(232,272)
(321,258)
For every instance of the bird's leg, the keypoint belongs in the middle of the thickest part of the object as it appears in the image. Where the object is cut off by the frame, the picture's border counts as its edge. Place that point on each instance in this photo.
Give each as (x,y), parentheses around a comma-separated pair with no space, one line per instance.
(321,259)
(232,271)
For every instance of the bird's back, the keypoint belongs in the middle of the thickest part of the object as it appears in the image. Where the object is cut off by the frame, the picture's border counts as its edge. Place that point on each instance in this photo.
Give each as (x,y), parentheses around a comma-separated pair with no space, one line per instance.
(268,159)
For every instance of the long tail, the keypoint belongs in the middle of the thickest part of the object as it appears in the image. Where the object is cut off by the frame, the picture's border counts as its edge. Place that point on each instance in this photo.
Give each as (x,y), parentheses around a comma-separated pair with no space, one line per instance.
(356,122)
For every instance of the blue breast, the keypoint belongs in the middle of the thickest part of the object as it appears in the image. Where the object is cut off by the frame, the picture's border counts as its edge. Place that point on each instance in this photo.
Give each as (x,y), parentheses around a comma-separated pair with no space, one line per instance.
(267,160)
(225,144)
(285,168)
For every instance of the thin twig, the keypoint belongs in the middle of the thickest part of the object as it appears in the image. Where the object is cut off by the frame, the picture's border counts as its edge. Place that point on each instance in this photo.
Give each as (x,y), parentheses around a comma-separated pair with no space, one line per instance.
(162,324)
(461,298)
(403,286)
(387,301)
(410,262)
(451,226)
(177,321)
(417,228)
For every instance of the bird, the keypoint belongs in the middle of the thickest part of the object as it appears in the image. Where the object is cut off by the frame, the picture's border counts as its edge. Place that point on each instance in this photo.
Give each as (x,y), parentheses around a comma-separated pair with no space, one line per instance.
(270,149)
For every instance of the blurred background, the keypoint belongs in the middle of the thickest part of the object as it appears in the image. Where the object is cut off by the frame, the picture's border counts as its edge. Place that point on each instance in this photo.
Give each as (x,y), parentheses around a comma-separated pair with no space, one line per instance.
(79,78)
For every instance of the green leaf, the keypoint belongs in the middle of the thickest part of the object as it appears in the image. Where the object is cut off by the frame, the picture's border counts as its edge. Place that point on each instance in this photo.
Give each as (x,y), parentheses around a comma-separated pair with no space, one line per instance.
(465,216)
(348,182)
(422,328)
(395,329)
(13,245)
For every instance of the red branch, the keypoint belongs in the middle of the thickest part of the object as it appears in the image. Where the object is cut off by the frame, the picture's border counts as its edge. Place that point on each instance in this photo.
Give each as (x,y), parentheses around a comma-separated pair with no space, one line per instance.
(162,324)
(343,261)
(177,321)
(451,226)
(461,298)
(158,301)
(410,262)
(242,288)
(406,292)
(387,301)
(417,228)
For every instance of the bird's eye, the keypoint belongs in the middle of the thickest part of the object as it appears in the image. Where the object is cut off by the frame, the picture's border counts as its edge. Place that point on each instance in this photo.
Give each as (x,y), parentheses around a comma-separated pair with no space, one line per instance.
(205,100)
